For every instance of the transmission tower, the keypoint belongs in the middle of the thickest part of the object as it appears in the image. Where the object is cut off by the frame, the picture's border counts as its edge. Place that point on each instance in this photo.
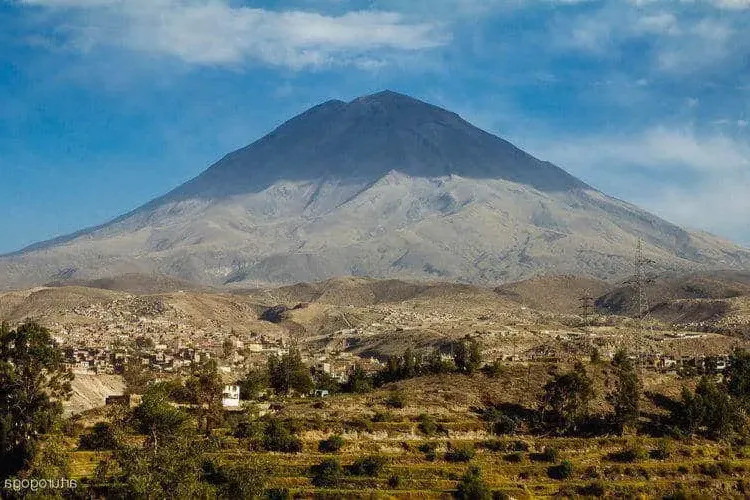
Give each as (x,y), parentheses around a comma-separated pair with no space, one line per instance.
(639,281)
(587,306)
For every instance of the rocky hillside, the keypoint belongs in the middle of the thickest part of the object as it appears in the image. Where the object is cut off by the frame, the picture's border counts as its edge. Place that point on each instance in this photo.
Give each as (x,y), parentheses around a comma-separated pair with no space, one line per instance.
(383,186)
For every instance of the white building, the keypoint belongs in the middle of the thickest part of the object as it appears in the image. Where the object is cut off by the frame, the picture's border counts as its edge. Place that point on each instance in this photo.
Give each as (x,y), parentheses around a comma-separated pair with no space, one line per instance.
(230,397)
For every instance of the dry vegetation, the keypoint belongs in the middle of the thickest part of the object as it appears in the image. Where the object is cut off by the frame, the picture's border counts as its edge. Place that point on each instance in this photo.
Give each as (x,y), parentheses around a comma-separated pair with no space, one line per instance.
(537,321)
(511,465)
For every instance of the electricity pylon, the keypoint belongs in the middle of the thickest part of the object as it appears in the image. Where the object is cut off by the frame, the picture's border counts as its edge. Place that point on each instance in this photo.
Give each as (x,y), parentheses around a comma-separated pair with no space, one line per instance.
(640,280)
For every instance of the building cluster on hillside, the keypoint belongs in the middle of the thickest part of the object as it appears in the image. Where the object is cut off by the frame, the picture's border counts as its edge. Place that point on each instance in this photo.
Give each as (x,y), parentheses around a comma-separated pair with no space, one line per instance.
(233,355)
(699,363)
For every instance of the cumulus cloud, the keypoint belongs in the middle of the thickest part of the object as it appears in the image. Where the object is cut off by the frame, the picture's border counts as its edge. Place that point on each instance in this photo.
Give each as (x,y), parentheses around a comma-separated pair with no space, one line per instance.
(214,32)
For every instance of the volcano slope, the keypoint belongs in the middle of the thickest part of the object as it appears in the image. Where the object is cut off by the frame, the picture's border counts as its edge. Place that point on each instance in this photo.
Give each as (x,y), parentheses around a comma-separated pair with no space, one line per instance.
(384,186)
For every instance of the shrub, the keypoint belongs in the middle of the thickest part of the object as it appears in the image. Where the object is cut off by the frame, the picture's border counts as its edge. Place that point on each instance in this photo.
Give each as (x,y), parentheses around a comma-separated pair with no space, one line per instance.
(427,425)
(628,454)
(370,466)
(383,416)
(394,482)
(504,425)
(494,369)
(277,436)
(549,454)
(520,446)
(276,494)
(595,489)
(248,429)
(494,445)
(428,447)
(72,427)
(327,474)
(592,472)
(472,486)
(712,470)
(429,450)
(396,399)
(100,437)
(499,422)
(462,453)
(663,450)
(360,424)
(515,458)
(562,471)
(331,445)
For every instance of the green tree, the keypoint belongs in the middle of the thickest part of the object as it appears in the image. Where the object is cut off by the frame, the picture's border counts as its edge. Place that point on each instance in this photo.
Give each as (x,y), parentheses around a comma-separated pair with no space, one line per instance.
(171,470)
(33,383)
(327,382)
(472,486)
(436,364)
(566,399)
(156,418)
(240,480)
(51,460)
(135,375)
(409,365)
(278,436)
(255,382)
(737,376)
(101,437)
(710,410)
(626,397)
(358,382)
(205,388)
(227,348)
(396,399)
(467,356)
(288,373)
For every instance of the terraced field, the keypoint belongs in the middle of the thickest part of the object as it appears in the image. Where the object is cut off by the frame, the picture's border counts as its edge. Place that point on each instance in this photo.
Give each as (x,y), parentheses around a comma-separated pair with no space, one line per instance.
(696,466)
(520,466)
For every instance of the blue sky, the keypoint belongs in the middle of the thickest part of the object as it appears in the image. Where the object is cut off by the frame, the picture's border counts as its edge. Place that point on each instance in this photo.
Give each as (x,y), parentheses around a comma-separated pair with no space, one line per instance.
(105,104)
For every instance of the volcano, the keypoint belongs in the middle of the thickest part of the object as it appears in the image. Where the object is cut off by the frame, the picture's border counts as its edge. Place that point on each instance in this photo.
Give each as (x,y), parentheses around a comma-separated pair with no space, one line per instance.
(383,186)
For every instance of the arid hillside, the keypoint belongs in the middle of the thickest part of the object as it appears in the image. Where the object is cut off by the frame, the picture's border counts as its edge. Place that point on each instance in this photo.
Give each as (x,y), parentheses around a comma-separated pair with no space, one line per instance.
(369,317)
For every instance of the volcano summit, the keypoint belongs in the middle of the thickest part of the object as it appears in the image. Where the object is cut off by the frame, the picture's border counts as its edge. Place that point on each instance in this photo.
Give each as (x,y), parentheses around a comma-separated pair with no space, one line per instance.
(383,186)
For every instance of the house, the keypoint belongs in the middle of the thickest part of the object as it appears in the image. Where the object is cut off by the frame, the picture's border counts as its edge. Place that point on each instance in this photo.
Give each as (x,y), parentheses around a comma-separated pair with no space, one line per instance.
(321,393)
(230,397)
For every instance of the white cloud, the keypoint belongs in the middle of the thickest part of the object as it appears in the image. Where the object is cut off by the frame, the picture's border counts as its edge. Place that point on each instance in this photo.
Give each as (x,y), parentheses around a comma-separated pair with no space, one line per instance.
(659,24)
(719,4)
(731,4)
(655,149)
(708,174)
(671,38)
(213,32)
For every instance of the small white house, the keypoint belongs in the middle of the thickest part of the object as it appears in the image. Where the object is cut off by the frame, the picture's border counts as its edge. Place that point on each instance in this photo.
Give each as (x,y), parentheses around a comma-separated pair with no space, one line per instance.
(230,398)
